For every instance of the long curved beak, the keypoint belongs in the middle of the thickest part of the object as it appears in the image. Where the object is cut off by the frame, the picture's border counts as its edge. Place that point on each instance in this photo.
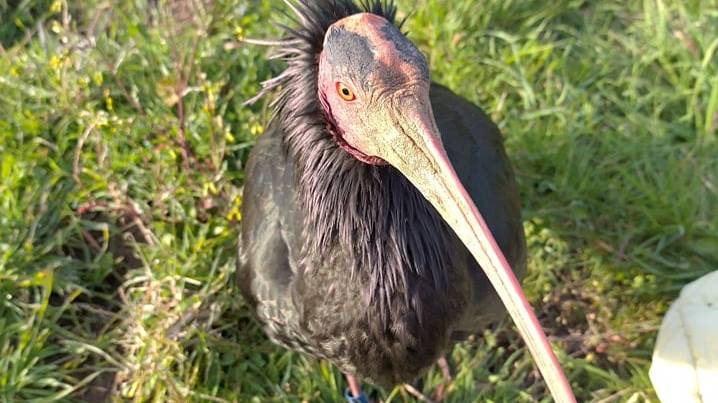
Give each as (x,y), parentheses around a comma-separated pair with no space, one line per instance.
(412,144)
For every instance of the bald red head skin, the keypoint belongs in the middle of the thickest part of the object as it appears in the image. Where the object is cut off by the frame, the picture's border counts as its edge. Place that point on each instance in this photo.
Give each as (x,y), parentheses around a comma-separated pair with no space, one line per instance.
(374,87)
(378,65)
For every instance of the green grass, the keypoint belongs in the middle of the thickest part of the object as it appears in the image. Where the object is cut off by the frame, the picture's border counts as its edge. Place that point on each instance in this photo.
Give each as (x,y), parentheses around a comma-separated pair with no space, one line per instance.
(122,140)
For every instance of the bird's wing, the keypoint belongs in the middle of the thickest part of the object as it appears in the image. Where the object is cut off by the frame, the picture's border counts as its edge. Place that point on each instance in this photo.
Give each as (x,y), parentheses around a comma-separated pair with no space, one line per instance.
(476,150)
(265,262)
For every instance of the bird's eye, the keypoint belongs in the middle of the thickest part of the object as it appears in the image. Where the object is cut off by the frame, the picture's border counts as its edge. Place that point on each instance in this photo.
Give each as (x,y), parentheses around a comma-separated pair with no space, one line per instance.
(345,92)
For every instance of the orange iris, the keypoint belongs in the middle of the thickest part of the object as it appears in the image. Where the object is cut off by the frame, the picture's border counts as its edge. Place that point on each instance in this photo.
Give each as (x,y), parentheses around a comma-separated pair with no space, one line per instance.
(345,92)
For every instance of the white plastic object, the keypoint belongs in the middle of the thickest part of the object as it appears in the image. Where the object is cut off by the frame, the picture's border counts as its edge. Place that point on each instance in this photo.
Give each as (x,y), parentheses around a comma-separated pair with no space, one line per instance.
(685,359)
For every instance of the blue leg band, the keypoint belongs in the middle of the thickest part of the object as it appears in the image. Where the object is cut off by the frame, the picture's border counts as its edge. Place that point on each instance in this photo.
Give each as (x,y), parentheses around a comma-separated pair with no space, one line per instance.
(355,399)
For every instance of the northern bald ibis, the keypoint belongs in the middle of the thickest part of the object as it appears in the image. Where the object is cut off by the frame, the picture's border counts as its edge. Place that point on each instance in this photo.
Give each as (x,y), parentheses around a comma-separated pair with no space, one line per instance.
(379,208)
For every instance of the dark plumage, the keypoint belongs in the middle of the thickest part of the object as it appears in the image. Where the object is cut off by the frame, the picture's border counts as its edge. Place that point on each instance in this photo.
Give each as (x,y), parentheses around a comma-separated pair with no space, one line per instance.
(347,260)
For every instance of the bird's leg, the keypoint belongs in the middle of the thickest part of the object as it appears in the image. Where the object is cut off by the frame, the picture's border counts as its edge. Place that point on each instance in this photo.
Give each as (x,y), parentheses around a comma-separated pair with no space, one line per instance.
(354,394)
(416,393)
(440,391)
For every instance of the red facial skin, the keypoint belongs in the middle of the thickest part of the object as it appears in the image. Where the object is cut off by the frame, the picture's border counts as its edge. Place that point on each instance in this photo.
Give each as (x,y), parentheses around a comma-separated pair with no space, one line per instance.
(352,118)
(339,111)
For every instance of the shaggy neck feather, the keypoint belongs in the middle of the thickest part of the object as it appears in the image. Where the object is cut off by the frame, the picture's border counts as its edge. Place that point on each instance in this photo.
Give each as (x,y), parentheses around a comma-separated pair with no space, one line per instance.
(392,235)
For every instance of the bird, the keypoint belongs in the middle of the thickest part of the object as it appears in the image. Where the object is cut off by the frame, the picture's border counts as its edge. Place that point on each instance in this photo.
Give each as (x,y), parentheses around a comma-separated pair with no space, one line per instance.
(381,215)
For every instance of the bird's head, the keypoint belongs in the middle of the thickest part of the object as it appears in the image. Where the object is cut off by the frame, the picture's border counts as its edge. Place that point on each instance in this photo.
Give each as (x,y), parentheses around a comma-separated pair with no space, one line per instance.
(373,81)
(373,84)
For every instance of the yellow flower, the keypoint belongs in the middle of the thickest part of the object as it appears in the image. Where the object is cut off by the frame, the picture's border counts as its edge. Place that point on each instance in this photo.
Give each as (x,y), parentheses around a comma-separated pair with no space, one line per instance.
(234,214)
(97,78)
(229,136)
(56,27)
(55,62)
(239,32)
(256,129)
(209,188)
(56,6)
(108,100)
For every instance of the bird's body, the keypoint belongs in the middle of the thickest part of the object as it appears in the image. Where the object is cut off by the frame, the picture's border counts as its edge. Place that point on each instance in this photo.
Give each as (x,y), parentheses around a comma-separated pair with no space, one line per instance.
(414,290)
(372,200)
